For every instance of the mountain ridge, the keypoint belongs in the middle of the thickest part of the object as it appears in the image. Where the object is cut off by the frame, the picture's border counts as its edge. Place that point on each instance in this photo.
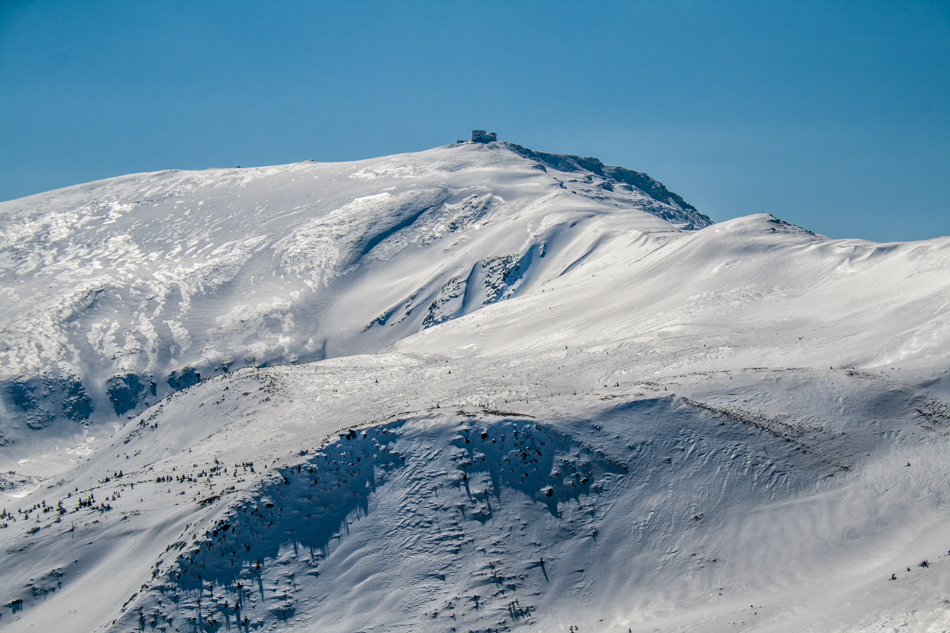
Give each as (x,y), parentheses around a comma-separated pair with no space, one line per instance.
(103,245)
(452,391)
(619,175)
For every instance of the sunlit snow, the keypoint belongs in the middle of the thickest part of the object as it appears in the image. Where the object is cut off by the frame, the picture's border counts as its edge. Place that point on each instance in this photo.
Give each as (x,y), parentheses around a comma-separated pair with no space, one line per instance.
(476,388)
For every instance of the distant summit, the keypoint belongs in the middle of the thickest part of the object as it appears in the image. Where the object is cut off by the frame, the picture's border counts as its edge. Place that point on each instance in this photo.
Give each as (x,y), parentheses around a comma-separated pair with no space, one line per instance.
(226,261)
(481,136)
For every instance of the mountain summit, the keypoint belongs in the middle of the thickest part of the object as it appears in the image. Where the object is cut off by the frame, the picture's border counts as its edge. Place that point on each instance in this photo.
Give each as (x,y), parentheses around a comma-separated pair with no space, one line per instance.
(122,291)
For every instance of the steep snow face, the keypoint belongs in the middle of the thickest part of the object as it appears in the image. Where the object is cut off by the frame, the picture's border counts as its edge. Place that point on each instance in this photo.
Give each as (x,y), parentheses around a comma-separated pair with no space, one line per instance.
(119,292)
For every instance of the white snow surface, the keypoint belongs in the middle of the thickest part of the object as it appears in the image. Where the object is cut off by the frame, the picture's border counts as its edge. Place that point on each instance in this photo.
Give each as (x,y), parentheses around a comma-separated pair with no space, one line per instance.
(119,292)
(476,388)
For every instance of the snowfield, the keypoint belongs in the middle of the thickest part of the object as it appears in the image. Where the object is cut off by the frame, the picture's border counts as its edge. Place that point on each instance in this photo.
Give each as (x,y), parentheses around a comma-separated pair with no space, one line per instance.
(476,388)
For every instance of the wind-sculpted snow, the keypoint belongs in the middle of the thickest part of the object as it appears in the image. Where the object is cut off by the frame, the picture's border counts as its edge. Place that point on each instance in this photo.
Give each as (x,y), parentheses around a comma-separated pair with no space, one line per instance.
(310,509)
(117,289)
(481,505)
(324,247)
(478,388)
(658,199)
(487,515)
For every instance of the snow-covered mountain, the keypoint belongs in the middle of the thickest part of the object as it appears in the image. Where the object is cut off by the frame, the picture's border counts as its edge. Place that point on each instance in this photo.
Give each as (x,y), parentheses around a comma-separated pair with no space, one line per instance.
(122,291)
(474,388)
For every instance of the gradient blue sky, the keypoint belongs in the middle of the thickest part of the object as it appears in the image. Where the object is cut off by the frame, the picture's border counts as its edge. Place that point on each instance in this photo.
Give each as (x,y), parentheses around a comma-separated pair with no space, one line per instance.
(832,115)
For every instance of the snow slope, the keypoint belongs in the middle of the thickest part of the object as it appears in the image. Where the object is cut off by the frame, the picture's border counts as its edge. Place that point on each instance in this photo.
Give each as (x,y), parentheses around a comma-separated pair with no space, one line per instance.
(120,292)
(536,404)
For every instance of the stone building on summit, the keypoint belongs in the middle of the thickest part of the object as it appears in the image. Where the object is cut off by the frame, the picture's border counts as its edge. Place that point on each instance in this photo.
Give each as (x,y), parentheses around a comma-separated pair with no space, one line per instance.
(481,136)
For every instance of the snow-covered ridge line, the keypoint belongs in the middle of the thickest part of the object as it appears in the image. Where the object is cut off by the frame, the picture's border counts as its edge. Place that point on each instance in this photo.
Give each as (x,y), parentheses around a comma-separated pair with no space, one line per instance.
(229,502)
(120,291)
(676,209)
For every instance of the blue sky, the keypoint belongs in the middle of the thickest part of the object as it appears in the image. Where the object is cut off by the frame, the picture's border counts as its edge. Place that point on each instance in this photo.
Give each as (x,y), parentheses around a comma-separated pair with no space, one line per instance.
(831,115)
